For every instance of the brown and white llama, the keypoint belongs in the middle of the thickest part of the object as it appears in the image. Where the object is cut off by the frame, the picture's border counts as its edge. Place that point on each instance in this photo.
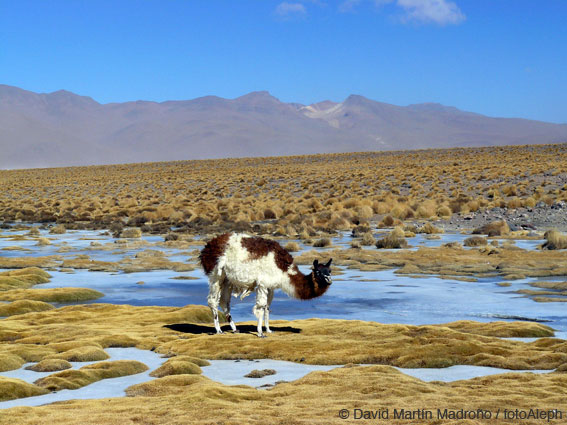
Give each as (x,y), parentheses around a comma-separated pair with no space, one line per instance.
(238,264)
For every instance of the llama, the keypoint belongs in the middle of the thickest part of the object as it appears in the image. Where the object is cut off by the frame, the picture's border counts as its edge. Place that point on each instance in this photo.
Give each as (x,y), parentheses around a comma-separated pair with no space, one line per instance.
(238,264)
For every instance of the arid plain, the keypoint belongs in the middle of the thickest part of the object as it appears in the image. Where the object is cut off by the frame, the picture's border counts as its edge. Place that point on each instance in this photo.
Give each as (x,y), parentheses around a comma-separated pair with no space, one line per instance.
(484,221)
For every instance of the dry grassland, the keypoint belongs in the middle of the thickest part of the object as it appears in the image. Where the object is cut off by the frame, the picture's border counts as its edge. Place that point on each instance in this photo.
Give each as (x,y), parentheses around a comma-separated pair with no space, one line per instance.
(287,195)
(305,198)
(181,395)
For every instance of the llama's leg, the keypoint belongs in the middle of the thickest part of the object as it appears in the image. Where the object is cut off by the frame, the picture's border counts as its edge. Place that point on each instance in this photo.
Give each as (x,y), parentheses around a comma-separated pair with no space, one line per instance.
(214,298)
(267,310)
(260,307)
(226,292)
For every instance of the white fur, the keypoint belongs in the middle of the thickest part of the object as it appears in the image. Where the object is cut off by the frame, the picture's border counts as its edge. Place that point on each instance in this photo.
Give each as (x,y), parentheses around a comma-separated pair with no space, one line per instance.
(238,274)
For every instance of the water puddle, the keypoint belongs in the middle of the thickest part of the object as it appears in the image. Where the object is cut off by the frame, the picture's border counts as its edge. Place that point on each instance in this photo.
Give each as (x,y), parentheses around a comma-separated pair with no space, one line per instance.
(105,388)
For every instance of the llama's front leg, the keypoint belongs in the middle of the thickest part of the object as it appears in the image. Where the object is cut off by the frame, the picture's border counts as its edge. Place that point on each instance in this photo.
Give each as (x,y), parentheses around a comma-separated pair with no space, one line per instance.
(267,310)
(259,309)
(213,300)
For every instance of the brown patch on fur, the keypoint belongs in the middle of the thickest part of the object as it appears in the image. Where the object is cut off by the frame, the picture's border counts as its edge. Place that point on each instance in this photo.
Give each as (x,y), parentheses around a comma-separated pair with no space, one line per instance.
(212,251)
(260,247)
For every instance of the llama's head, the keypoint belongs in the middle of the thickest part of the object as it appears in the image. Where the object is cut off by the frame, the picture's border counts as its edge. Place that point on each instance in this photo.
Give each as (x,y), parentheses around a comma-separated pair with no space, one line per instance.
(322,274)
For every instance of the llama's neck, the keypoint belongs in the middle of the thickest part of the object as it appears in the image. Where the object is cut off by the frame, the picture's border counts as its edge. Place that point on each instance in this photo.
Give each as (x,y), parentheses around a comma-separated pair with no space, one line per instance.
(304,287)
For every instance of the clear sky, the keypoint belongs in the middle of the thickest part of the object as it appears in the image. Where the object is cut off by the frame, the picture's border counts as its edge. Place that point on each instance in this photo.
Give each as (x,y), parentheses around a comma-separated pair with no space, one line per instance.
(496,57)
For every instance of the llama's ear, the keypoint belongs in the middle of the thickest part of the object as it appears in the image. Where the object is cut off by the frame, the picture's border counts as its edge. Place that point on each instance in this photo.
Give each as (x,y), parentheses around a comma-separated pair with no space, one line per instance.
(329,263)
(315,263)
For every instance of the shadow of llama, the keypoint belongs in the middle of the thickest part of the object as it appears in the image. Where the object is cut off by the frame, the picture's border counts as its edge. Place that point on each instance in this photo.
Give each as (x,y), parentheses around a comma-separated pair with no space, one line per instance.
(238,264)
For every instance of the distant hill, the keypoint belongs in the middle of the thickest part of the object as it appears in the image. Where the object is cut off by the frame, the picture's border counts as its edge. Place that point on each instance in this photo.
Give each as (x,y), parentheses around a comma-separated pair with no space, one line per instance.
(63,128)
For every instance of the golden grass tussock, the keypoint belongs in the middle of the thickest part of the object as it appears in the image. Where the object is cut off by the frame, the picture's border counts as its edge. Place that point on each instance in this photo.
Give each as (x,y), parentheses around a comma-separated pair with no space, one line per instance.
(51,295)
(475,241)
(58,230)
(74,379)
(11,389)
(367,239)
(322,243)
(22,278)
(549,299)
(496,228)
(82,354)
(256,373)
(50,365)
(23,306)
(554,240)
(394,240)
(10,361)
(550,285)
(503,329)
(444,211)
(176,366)
(43,242)
(292,247)
(429,229)
(387,221)
(131,233)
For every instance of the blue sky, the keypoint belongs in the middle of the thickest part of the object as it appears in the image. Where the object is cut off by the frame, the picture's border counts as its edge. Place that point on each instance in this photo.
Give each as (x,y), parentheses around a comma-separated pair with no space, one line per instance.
(496,57)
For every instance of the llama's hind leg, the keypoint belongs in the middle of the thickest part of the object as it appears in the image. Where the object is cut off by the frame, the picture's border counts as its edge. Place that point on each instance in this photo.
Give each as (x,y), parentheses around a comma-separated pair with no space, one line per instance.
(267,310)
(226,292)
(214,298)
(260,307)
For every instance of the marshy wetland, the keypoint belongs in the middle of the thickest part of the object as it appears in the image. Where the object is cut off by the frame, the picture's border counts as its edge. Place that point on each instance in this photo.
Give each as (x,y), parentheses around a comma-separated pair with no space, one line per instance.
(449,288)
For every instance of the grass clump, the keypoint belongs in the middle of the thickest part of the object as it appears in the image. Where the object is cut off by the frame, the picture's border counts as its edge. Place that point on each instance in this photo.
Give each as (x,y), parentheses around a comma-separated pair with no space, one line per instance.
(50,365)
(429,229)
(52,295)
(23,307)
(554,240)
(82,354)
(394,240)
(131,233)
(23,278)
(475,241)
(496,228)
(11,389)
(260,373)
(176,366)
(367,239)
(292,247)
(321,243)
(58,230)
(74,379)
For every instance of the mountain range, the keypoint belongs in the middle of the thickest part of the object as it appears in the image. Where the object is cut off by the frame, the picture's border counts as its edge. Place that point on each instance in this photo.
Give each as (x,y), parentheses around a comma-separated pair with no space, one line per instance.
(63,128)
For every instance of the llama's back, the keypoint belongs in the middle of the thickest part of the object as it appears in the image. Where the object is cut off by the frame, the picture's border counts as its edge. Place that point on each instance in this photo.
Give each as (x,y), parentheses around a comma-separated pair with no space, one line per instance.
(246,260)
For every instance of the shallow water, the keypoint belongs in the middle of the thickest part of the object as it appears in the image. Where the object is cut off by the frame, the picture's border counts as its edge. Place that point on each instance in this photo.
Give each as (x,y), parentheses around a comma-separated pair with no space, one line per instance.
(380,296)
(460,372)
(231,372)
(104,388)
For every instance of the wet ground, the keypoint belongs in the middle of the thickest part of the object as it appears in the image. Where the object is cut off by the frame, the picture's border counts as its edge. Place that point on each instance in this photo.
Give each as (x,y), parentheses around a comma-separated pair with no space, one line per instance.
(381,296)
